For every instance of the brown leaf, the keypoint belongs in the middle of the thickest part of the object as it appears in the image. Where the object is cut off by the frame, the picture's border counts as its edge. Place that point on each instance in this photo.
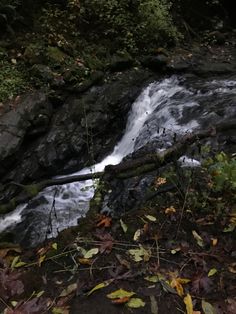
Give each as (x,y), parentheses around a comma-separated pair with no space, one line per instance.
(201,283)
(121,300)
(104,222)
(10,284)
(107,242)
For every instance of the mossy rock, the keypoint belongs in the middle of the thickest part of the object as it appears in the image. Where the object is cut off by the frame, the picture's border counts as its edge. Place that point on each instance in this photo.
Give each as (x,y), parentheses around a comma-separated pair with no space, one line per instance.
(55,55)
(34,53)
(43,72)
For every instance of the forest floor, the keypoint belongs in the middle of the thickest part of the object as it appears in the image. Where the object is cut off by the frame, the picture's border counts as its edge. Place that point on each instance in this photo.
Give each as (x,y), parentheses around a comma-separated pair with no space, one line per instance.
(176,253)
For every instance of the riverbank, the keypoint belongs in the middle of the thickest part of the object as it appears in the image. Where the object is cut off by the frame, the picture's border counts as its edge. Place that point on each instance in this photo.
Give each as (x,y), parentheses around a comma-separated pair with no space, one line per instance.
(179,251)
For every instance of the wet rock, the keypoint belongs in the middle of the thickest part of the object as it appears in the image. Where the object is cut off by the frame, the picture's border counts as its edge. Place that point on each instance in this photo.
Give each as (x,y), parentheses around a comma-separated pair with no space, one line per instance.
(43,72)
(217,68)
(121,62)
(43,141)
(155,63)
(17,124)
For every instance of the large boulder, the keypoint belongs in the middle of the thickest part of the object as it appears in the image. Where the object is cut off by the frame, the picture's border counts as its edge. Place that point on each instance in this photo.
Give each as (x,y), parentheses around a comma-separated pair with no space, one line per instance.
(39,140)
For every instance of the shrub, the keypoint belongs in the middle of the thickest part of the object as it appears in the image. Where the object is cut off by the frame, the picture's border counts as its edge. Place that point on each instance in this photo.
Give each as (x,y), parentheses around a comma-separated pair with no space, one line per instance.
(129,24)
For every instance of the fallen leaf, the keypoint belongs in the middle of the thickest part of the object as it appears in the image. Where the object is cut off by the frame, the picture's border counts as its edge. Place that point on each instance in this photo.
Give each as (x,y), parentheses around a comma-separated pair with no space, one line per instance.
(104,222)
(152,278)
(232,268)
(91,253)
(106,242)
(68,290)
(159,181)
(137,235)
(60,310)
(120,293)
(140,254)
(54,246)
(208,308)
(230,228)
(121,300)
(123,226)
(212,272)
(178,283)
(198,238)
(201,282)
(10,285)
(16,263)
(151,218)
(214,241)
(188,303)
(135,303)
(39,294)
(100,286)
(170,210)
(41,260)
(176,250)
(85,261)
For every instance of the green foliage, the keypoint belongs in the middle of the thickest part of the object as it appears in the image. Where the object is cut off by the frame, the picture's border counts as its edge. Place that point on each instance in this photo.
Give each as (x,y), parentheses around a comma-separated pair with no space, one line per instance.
(12,81)
(223,172)
(130,24)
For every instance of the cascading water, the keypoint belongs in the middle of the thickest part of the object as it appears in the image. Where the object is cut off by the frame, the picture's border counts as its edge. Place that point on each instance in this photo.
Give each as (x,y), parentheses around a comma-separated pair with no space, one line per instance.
(173,104)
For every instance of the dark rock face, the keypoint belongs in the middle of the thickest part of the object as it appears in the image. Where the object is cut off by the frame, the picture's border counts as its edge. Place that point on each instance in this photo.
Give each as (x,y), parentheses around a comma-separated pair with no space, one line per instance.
(38,140)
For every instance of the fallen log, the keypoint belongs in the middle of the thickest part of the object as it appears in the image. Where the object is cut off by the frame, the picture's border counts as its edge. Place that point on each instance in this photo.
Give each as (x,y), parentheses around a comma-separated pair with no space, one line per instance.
(124,170)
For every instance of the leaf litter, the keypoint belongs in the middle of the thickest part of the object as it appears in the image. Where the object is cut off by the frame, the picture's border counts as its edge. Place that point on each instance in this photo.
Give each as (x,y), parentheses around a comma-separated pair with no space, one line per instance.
(139,262)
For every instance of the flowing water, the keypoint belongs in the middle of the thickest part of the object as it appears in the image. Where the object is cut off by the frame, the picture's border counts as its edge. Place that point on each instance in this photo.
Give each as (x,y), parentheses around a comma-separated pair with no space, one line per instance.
(173,105)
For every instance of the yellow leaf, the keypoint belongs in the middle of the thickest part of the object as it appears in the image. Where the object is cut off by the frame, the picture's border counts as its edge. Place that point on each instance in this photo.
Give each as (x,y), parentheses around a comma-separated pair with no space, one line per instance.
(140,254)
(208,308)
(14,303)
(170,210)
(177,284)
(16,263)
(68,290)
(214,241)
(152,279)
(136,303)
(159,181)
(54,246)
(212,272)
(100,286)
(188,303)
(91,253)
(198,238)
(120,293)
(151,218)
(20,264)
(137,235)
(41,259)
(232,268)
(85,261)
(174,251)
(40,293)
(123,226)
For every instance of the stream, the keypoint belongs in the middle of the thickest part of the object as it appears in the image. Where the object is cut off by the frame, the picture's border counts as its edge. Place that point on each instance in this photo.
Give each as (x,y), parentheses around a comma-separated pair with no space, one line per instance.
(172,105)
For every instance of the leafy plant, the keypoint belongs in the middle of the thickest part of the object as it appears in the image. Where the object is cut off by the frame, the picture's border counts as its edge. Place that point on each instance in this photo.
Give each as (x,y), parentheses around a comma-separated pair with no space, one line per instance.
(223,171)
(12,81)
